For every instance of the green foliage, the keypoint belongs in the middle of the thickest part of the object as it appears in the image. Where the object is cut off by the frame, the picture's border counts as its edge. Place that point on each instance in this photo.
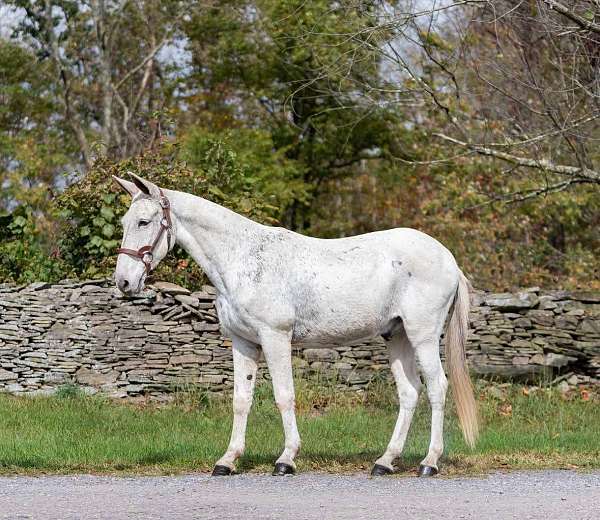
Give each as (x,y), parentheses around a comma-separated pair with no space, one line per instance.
(251,180)
(244,168)
(33,149)
(282,114)
(237,168)
(101,233)
(106,102)
(24,256)
(550,242)
(90,210)
(69,391)
(294,79)
(33,153)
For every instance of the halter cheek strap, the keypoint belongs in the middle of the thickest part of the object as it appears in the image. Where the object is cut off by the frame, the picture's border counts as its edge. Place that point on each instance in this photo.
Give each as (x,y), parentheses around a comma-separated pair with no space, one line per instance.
(146,253)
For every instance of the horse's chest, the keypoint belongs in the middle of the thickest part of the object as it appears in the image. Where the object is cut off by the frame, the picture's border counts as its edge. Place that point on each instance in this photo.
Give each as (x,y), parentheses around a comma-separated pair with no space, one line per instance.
(235,320)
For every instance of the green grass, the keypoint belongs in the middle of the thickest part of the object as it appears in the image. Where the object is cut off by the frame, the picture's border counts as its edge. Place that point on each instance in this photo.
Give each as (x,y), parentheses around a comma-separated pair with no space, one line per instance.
(340,432)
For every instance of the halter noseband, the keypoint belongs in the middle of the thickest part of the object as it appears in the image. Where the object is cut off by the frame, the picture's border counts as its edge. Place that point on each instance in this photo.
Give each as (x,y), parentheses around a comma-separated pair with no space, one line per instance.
(146,253)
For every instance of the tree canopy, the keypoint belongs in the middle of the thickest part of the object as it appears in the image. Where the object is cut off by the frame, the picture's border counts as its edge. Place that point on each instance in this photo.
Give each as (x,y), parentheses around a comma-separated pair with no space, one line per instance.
(476,122)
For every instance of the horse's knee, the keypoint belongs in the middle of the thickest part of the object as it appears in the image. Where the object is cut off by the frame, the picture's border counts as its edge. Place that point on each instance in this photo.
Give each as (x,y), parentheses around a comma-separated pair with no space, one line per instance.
(285,405)
(285,401)
(241,405)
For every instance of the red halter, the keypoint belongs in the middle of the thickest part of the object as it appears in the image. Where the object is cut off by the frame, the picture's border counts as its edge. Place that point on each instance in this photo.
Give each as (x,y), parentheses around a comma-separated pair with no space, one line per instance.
(146,253)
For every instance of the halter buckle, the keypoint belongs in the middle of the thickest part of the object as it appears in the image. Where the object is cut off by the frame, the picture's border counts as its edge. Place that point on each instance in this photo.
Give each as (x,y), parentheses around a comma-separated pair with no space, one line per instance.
(147,257)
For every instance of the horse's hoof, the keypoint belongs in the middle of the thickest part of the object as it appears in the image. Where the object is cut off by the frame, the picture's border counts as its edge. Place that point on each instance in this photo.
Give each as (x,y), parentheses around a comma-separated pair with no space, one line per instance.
(282,469)
(427,471)
(379,471)
(221,471)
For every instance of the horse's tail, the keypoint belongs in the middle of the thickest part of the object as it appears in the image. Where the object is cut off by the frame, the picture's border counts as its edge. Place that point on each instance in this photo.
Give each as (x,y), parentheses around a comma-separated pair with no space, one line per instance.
(456,338)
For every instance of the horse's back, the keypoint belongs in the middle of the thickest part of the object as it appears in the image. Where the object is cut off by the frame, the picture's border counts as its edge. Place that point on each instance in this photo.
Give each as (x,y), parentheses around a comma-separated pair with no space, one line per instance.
(390,251)
(353,288)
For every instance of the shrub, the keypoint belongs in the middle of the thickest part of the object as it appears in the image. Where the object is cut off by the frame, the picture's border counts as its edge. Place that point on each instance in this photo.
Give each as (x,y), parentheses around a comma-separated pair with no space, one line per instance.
(26,255)
(210,165)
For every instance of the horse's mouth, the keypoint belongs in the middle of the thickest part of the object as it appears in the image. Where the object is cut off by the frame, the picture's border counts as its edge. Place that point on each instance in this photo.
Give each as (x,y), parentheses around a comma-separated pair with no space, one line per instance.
(140,285)
(131,290)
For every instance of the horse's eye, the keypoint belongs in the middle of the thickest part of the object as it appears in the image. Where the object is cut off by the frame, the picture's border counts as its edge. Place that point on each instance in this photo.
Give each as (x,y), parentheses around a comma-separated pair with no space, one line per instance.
(143,223)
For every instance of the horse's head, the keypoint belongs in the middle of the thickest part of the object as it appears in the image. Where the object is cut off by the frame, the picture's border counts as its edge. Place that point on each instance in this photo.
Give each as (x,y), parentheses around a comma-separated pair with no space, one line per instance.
(148,234)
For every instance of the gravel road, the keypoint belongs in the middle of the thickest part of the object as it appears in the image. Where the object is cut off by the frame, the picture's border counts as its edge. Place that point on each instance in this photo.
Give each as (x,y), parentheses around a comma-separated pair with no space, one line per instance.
(547,495)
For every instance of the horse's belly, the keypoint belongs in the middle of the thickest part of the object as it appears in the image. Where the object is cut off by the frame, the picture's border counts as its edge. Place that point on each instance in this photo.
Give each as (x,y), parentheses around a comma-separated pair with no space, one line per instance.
(327,327)
(326,340)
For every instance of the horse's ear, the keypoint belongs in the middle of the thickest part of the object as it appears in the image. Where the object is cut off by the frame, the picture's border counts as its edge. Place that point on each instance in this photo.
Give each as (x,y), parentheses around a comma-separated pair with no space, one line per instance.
(147,187)
(127,186)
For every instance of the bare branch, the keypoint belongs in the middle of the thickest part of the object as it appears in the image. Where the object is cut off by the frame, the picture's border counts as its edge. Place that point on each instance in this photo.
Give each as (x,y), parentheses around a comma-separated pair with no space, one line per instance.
(524,195)
(579,20)
(550,133)
(153,51)
(582,173)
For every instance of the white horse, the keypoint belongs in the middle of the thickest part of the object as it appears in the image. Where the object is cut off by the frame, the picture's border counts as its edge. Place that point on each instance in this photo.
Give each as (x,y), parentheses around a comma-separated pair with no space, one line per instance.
(276,288)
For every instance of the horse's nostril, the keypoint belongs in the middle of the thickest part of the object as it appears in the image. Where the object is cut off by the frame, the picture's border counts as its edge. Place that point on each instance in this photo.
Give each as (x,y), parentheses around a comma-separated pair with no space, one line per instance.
(124,285)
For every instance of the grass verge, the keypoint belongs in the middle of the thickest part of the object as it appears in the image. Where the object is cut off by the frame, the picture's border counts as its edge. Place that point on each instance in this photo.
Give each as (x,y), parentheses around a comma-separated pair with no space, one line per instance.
(341,432)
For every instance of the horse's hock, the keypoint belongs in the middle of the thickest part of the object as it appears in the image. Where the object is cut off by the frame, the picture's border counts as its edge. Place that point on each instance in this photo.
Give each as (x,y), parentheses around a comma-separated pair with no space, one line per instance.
(84,333)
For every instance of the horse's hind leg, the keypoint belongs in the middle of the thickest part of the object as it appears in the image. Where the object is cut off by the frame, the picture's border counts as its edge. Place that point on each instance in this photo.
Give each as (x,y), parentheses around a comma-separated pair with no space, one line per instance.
(424,334)
(423,316)
(437,385)
(408,384)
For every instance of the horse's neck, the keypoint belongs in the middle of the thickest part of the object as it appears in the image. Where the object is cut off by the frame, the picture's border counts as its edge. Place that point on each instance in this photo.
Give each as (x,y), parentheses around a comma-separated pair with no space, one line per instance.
(213,235)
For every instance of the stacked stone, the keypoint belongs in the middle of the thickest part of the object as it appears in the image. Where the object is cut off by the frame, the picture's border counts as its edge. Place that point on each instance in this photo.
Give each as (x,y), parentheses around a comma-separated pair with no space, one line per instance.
(553,335)
(354,366)
(168,338)
(85,333)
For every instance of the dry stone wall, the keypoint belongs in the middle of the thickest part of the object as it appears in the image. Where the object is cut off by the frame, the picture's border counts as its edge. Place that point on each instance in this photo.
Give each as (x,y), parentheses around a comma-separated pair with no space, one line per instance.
(168,338)
(552,334)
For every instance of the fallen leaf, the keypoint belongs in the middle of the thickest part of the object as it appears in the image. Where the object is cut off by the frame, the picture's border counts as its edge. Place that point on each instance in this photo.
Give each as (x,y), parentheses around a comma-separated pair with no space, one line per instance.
(505,409)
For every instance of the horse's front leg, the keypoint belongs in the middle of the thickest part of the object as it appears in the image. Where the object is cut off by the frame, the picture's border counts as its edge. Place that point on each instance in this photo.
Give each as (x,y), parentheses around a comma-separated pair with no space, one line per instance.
(245,363)
(278,354)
